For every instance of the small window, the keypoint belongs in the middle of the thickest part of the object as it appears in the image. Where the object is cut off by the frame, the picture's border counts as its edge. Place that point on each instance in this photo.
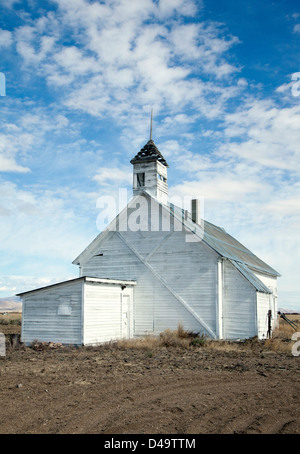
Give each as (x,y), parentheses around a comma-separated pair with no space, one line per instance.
(64,308)
(140,178)
(161,178)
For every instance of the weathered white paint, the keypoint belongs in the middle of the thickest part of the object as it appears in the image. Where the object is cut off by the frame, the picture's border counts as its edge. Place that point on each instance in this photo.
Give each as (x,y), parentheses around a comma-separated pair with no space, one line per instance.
(271,283)
(41,315)
(202,281)
(268,280)
(177,281)
(239,311)
(155,180)
(263,306)
(220,297)
(82,311)
(104,313)
(170,288)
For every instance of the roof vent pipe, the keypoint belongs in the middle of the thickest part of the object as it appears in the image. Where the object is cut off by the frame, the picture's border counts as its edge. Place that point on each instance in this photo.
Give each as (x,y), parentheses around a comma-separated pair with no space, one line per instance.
(195,210)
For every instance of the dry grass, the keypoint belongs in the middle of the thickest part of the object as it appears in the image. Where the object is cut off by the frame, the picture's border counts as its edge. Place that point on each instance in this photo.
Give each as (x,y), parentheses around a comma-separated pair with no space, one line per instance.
(168,338)
(10,318)
(281,340)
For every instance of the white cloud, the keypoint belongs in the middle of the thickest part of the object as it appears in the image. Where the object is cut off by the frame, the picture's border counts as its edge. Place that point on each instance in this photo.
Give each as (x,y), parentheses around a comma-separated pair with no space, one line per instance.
(9,3)
(186,7)
(284,88)
(270,135)
(8,164)
(32,45)
(250,183)
(113,176)
(5,38)
(24,132)
(72,61)
(9,146)
(13,284)
(117,59)
(297,28)
(133,57)
(39,223)
(220,187)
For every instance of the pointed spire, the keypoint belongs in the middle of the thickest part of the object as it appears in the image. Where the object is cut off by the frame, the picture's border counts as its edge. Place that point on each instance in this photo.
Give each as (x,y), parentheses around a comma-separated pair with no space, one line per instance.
(151,124)
(150,151)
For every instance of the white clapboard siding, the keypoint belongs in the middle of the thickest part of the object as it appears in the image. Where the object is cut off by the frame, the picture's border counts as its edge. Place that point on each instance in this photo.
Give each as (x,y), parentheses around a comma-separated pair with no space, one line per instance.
(178,281)
(263,306)
(190,270)
(119,262)
(116,261)
(169,312)
(271,283)
(85,311)
(53,314)
(164,266)
(239,306)
(103,313)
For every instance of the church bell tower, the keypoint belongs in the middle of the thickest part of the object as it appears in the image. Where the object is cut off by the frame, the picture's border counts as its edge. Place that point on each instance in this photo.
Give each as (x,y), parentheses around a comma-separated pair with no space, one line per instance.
(150,171)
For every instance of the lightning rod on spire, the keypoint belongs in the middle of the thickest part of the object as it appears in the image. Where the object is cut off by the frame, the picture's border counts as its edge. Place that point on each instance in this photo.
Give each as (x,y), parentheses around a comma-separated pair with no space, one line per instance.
(151,124)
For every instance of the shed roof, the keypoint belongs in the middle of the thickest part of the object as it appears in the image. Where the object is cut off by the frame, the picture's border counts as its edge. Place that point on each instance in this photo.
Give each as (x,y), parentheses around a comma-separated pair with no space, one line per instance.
(247,273)
(84,279)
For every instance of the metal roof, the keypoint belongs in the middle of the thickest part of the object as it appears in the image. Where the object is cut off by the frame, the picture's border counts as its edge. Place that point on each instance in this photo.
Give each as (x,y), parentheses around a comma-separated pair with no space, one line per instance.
(96,280)
(224,244)
(247,273)
(230,248)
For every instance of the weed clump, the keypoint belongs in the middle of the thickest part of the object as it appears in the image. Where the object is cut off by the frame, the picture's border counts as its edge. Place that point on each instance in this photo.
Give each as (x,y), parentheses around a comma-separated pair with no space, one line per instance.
(181,338)
(199,341)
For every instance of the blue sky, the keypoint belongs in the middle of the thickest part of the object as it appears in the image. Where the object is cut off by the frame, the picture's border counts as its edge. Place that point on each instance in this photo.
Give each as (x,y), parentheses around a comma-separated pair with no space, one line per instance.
(81,79)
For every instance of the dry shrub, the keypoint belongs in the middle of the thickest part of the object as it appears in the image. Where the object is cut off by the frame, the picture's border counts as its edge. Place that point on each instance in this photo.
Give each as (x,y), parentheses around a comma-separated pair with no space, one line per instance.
(143,343)
(278,345)
(284,330)
(181,338)
(281,340)
(40,346)
(168,338)
(183,334)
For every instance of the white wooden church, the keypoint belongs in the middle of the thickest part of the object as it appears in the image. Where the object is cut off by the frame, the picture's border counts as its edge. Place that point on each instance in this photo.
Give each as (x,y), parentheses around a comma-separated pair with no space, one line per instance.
(153,267)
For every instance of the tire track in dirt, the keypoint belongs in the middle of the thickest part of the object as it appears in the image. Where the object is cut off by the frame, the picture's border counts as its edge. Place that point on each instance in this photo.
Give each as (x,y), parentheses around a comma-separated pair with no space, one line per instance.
(179,405)
(130,392)
(136,404)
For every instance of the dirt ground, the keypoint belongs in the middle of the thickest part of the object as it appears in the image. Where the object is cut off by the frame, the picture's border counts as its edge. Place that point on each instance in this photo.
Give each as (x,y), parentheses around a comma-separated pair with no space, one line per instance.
(168,390)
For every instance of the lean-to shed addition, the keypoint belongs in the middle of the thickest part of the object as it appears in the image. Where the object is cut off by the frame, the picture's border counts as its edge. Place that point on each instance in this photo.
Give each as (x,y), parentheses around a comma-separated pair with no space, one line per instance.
(153,267)
(80,311)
